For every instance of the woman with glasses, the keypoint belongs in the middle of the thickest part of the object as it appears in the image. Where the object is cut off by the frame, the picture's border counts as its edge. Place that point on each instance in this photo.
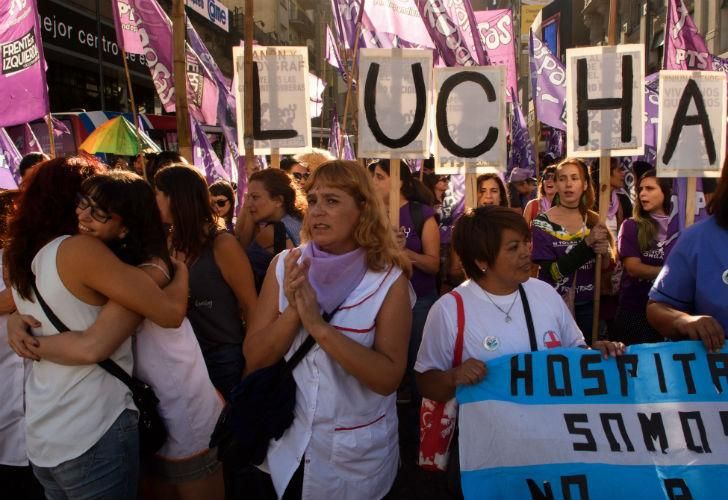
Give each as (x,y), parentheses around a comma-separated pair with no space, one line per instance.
(222,196)
(80,421)
(222,292)
(295,169)
(119,209)
(270,220)
(546,193)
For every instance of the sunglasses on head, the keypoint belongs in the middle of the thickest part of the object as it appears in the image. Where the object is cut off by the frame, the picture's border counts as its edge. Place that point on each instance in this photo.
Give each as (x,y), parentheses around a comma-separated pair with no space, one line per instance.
(548,177)
(221,203)
(98,214)
(444,178)
(300,176)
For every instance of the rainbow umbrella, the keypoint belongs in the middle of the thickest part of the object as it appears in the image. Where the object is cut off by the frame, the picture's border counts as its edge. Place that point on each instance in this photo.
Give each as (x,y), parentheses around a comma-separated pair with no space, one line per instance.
(119,137)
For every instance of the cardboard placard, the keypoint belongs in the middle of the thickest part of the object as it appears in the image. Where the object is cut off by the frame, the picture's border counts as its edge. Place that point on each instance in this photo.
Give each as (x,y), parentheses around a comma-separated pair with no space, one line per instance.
(394,103)
(605,101)
(281,114)
(470,126)
(691,124)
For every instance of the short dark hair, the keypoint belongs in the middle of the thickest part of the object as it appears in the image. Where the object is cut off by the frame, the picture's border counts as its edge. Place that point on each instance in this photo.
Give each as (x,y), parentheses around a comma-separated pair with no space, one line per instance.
(478,235)
(30,160)
(287,163)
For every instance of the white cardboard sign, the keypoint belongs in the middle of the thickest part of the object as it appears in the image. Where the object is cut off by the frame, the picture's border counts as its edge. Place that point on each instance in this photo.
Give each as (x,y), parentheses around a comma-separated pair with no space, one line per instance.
(281,116)
(469,119)
(394,103)
(602,117)
(691,125)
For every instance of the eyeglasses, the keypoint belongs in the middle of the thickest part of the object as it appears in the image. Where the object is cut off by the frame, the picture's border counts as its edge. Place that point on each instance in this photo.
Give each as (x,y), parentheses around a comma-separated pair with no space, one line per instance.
(444,178)
(221,203)
(98,214)
(548,177)
(301,176)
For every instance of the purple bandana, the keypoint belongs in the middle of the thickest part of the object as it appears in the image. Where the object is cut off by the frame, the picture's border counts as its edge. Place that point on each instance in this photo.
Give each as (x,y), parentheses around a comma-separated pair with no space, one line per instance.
(334,277)
(614,205)
(662,222)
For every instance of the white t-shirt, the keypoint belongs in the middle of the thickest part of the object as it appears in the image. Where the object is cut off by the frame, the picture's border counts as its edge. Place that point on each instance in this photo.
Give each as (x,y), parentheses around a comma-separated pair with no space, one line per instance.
(487,335)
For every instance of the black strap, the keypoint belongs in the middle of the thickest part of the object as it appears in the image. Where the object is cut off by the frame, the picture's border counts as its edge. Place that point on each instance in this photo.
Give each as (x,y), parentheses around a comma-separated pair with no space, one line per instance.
(108,364)
(529,319)
(308,343)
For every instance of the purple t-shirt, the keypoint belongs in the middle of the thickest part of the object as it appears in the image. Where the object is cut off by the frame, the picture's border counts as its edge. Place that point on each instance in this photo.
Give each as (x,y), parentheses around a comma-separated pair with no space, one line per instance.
(423,283)
(633,291)
(694,278)
(551,242)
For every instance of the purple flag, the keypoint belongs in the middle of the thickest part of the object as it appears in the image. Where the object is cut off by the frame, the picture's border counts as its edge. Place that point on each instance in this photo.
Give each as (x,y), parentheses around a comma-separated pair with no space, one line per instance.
(125,24)
(452,27)
(155,31)
(346,14)
(400,18)
(557,143)
(9,160)
(548,84)
(31,144)
(684,47)
(495,28)
(332,54)
(523,153)
(335,138)
(204,156)
(23,78)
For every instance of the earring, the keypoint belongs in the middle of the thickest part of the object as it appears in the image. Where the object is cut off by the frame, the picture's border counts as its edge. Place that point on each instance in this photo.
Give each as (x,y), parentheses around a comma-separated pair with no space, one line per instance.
(484,270)
(583,199)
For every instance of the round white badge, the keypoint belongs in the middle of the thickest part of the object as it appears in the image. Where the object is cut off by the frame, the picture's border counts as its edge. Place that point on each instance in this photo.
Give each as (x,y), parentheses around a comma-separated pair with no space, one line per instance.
(491,343)
(725,276)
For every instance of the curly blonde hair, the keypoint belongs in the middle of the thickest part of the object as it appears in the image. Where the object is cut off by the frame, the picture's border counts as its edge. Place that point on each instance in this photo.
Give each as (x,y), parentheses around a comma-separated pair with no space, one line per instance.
(373,233)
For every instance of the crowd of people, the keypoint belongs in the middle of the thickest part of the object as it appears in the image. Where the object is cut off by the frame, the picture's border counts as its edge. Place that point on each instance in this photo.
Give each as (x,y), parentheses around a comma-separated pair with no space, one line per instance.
(160,273)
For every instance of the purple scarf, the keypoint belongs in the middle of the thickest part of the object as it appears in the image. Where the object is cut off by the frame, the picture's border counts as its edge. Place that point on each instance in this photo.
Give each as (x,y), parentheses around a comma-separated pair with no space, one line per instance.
(334,277)
(545,204)
(662,222)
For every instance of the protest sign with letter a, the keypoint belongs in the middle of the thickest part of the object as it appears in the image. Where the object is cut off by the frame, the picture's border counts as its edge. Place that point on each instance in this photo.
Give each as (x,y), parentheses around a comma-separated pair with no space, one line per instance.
(470,119)
(394,103)
(281,113)
(605,102)
(692,125)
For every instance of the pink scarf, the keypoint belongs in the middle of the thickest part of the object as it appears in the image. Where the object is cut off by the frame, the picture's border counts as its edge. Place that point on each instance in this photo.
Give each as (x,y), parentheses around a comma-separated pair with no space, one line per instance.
(334,277)
(662,223)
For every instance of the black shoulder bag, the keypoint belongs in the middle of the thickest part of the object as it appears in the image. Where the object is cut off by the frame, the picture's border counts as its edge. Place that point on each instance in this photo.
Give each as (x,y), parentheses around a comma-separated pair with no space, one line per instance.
(260,409)
(152,431)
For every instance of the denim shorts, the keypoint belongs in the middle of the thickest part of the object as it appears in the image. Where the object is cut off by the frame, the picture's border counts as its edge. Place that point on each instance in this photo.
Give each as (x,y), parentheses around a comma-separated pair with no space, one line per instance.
(188,469)
(107,470)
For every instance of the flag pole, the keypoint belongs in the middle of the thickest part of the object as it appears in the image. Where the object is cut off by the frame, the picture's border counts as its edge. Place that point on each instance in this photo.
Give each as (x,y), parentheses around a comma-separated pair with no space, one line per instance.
(184,135)
(604,165)
(351,81)
(692,187)
(131,100)
(248,140)
(51,137)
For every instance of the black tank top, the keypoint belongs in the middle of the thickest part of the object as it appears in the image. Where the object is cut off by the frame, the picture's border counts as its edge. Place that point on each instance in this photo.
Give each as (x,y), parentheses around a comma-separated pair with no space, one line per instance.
(213,308)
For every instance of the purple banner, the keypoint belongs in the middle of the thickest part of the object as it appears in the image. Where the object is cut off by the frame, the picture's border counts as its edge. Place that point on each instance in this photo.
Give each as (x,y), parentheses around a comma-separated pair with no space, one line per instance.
(155,31)
(9,160)
(651,109)
(548,84)
(332,54)
(452,26)
(204,156)
(396,17)
(125,23)
(495,28)
(684,47)
(346,13)
(31,144)
(22,75)
(523,154)
(557,143)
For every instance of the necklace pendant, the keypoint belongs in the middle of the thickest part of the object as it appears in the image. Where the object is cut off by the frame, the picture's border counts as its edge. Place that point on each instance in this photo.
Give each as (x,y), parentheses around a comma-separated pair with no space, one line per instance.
(508,318)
